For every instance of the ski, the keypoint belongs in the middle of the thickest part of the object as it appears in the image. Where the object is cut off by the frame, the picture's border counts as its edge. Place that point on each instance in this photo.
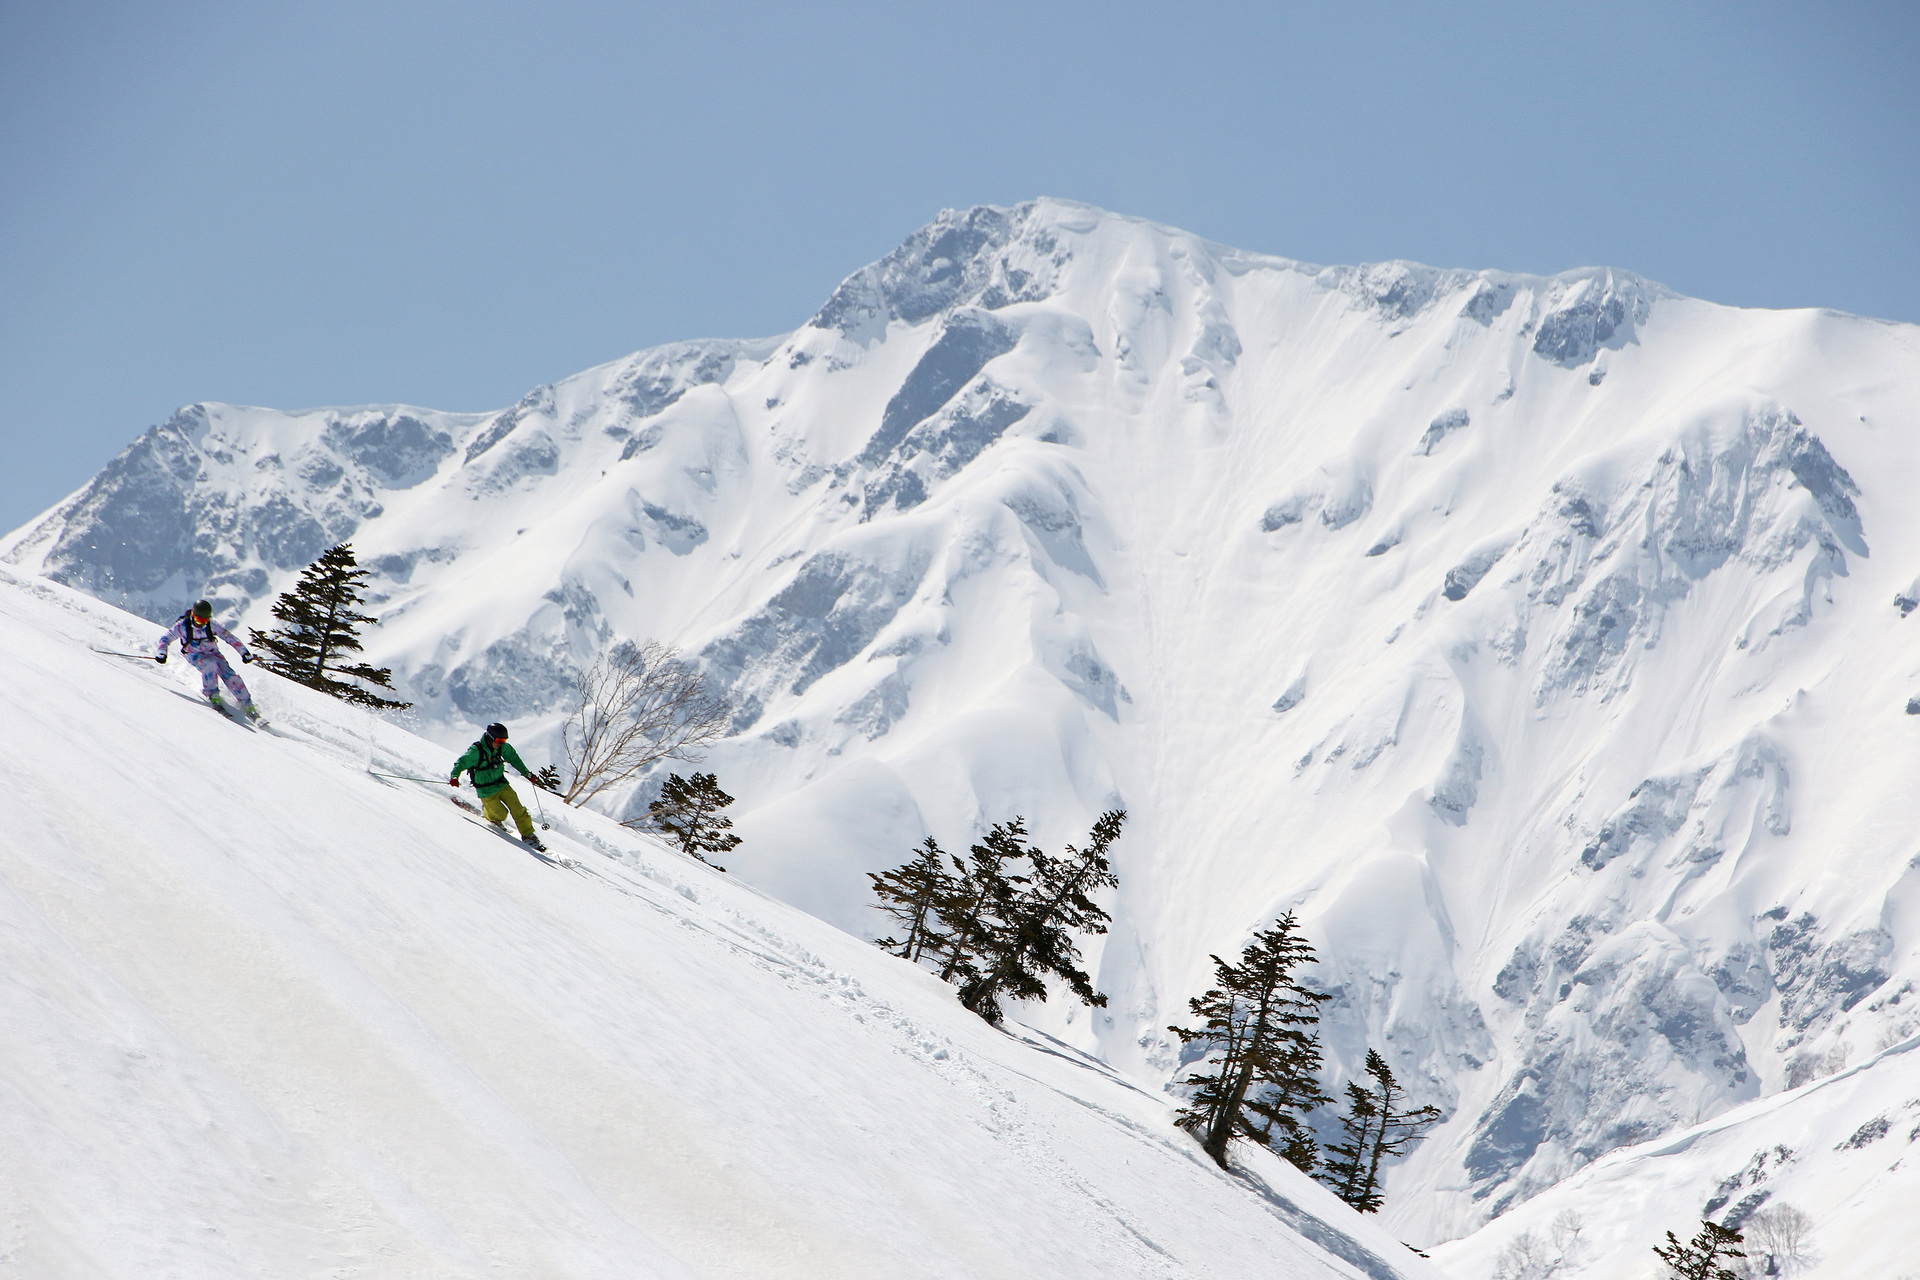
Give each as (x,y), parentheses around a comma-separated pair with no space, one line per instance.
(241,718)
(249,716)
(472,814)
(219,711)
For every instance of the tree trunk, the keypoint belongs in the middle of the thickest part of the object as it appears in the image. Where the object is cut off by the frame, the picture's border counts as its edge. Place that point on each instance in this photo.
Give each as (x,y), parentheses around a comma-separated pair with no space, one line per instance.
(326,634)
(1220,1132)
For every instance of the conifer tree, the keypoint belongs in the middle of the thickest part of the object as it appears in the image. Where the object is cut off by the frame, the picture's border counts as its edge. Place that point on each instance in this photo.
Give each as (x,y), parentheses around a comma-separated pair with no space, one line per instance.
(1257,1018)
(981,896)
(913,893)
(689,810)
(1701,1257)
(1030,935)
(1347,1162)
(547,778)
(1278,1110)
(1376,1128)
(1001,922)
(320,626)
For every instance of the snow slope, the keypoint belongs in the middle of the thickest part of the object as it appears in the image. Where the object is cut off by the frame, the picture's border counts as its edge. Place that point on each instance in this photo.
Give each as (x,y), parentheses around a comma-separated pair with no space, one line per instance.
(1841,1150)
(1536,638)
(269,1015)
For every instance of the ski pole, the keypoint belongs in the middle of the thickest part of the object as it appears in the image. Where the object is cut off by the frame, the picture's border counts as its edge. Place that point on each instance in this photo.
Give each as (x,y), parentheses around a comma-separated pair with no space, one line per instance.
(116,653)
(544,824)
(404,777)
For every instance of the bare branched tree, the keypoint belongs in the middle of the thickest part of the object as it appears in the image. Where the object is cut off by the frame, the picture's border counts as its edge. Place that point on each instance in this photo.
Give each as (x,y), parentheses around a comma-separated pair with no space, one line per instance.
(1779,1236)
(1567,1228)
(1527,1257)
(636,705)
(1530,1256)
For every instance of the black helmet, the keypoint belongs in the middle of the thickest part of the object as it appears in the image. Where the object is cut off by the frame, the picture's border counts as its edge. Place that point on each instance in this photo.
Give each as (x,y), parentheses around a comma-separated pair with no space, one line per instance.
(497,730)
(203,608)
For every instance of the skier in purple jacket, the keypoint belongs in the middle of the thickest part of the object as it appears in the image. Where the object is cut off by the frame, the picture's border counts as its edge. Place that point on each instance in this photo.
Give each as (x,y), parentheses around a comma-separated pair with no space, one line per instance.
(199,635)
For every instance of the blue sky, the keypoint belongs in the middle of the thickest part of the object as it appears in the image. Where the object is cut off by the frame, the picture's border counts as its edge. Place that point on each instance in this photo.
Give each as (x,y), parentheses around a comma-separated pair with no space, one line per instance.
(447,204)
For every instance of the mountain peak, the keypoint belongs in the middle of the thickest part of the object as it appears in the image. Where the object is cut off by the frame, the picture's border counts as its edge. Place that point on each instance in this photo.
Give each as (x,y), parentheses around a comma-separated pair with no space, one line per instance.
(963,256)
(1502,625)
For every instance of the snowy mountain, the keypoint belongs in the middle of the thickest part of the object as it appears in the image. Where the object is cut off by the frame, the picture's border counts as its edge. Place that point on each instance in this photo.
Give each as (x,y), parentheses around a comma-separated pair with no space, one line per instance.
(1535,638)
(268,1015)
(1838,1151)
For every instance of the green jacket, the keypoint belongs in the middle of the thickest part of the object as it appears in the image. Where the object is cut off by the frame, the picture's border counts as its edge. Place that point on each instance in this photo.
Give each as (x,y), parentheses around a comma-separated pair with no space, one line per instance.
(489,767)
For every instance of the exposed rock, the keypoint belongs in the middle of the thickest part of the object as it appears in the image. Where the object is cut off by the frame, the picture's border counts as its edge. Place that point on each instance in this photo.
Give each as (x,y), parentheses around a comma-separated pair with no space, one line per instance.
(1441,427)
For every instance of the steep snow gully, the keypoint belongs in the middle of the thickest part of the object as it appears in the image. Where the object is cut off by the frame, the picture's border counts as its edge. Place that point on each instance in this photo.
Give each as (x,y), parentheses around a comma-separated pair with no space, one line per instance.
(269,1015)
(1542,641)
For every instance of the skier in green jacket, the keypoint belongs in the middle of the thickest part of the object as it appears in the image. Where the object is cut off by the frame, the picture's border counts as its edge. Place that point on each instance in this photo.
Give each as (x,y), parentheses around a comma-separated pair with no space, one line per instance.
(488,760)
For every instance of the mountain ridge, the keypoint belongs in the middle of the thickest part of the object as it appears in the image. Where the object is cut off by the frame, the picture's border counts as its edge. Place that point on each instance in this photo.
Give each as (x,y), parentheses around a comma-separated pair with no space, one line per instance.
(1495,622)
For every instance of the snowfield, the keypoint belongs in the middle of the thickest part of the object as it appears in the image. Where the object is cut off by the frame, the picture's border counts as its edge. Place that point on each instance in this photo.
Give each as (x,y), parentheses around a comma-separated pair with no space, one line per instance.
(1840,1150)
(1544,642)
(268,1015)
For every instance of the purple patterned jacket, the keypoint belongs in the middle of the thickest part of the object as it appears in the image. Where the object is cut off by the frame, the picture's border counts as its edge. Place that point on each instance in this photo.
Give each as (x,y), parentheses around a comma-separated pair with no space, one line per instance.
(197,639)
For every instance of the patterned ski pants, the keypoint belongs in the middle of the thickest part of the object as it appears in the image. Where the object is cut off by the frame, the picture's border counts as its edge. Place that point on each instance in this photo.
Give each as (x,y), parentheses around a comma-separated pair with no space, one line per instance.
(496,807)
(213,669)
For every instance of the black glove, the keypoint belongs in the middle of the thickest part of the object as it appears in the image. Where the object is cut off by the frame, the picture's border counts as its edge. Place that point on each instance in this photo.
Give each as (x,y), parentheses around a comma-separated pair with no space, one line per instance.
(246,657)
(162,659)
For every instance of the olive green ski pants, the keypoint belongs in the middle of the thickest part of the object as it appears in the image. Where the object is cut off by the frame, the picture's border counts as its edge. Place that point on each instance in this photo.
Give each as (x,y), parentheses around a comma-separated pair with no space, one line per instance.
(502,802)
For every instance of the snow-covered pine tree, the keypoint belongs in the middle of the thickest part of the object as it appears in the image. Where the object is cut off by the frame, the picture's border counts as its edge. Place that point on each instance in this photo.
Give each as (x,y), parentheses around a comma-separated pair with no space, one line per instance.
(912,894)
(1701,1257)
(1256,1018)
(1376,1128)
(320,626)
(547,778)
(1031,936)
(689,810)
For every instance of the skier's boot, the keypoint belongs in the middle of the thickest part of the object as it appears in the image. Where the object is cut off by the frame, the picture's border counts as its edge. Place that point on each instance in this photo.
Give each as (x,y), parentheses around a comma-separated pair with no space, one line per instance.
(533,842)
(217,702)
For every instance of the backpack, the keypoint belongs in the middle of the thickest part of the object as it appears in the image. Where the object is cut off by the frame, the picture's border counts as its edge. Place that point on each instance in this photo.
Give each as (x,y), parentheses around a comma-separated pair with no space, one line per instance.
(488,758)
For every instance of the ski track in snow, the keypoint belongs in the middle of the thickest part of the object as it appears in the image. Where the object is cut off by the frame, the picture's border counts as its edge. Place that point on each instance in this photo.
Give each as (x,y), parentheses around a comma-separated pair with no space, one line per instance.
(270,1015)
